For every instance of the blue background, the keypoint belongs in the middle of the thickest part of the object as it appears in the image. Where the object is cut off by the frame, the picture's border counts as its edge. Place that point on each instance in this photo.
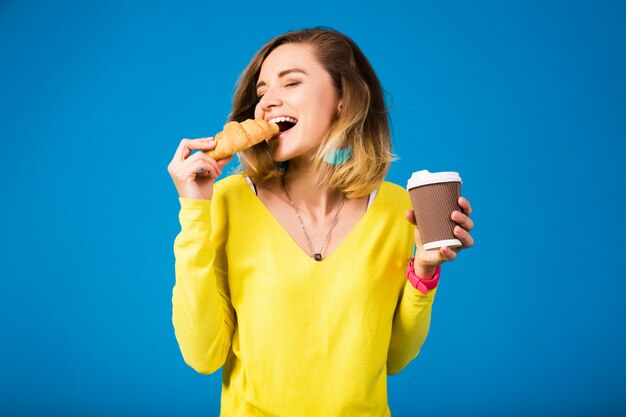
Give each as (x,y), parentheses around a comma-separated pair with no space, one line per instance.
(527,100)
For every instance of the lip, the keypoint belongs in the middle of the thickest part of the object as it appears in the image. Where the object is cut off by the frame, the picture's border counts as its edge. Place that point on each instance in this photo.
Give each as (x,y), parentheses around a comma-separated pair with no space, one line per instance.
(280,135)
(267,119)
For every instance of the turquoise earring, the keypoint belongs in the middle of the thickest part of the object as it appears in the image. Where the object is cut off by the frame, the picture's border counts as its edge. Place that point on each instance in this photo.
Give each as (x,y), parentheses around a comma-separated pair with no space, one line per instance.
(338,156)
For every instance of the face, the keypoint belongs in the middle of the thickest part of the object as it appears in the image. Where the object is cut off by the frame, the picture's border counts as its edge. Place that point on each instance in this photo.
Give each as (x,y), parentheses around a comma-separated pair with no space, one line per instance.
(298,93)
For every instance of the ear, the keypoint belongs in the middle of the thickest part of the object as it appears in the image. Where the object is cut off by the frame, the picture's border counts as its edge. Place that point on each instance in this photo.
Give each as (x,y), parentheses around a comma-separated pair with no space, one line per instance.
(339,107)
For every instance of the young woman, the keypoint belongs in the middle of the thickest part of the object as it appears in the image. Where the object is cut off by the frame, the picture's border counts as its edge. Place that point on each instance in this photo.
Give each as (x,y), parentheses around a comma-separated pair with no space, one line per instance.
(293,274)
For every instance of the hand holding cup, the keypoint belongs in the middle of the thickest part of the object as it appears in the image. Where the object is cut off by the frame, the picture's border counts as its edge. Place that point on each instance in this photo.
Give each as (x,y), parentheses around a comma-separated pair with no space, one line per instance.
(441,217)
(432,258)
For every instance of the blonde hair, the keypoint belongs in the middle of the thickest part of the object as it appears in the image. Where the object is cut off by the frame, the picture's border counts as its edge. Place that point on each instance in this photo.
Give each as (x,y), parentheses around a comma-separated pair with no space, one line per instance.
(362,125)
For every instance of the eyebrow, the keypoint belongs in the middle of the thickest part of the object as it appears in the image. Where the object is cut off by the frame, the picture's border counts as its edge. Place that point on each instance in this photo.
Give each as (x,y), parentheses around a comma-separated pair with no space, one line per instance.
(282,74)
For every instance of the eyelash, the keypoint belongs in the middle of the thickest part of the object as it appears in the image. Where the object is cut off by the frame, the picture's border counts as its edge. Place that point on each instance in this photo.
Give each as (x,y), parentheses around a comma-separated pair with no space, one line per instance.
(291,84)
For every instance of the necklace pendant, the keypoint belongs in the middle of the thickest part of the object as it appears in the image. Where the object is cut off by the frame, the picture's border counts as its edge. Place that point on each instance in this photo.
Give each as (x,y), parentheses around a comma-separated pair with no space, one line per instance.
(317,257)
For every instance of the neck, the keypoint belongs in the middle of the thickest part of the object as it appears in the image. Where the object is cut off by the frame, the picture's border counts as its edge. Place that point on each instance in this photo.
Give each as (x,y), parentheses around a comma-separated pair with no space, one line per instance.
(316,200)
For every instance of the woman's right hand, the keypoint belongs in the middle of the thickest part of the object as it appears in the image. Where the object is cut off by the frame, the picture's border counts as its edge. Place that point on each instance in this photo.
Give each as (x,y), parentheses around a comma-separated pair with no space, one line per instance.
(185,169)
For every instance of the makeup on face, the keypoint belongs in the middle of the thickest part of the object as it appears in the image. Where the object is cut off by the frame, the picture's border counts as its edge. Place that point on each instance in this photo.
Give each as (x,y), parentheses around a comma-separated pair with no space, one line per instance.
(296,93)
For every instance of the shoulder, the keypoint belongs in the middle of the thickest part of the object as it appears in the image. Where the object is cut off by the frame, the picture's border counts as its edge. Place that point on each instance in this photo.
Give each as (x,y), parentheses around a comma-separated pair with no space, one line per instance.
(393,193)
(229,184)
(392,201)
(230,189)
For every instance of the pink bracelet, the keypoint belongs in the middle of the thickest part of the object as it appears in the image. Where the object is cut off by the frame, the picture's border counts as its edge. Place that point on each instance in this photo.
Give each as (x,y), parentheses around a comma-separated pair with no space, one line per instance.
(422,285)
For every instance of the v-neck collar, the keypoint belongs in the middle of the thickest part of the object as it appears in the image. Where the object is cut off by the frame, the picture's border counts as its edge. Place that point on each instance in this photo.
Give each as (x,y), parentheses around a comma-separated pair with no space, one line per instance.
(275,224)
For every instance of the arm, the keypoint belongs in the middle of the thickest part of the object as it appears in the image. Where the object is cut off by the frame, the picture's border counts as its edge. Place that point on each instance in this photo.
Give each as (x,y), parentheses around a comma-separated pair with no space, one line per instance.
(411,320)
(202,315)
(411,323)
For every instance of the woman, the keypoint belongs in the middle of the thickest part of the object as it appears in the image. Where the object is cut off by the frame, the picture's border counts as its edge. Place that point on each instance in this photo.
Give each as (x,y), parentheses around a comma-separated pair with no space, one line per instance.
(293,274)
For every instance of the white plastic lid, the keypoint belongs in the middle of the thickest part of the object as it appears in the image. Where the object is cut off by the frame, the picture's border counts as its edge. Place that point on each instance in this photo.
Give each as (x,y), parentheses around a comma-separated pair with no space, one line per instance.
(424,177)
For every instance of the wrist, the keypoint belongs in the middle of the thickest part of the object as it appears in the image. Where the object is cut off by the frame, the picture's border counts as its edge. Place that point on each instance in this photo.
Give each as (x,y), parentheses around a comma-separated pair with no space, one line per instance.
(419,280)
(425,271)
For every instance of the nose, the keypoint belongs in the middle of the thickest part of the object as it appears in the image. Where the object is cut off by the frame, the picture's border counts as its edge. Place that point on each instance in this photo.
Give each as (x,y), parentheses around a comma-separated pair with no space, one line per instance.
(270,99)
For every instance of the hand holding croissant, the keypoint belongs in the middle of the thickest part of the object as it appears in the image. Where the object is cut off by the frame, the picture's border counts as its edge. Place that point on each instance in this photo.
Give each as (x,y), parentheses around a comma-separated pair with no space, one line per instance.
(194,175)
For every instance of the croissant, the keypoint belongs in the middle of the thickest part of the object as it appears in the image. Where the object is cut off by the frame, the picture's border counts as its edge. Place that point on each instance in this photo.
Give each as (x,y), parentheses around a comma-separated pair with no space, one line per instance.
(237,137)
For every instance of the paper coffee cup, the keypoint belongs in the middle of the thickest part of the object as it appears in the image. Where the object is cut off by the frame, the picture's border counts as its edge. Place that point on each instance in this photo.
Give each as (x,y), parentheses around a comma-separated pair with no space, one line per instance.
(435,196)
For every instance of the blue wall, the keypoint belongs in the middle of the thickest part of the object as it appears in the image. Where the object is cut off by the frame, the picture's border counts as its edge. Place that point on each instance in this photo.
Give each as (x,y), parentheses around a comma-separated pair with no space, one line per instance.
(527,100)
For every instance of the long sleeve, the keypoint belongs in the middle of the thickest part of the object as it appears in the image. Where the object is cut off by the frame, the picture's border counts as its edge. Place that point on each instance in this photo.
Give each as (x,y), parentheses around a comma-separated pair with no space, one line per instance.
(296,336)
(411,323)
(202,315)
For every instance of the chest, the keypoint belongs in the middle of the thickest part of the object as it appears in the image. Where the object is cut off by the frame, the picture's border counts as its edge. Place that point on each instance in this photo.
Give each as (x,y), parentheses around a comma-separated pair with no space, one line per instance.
(322,234)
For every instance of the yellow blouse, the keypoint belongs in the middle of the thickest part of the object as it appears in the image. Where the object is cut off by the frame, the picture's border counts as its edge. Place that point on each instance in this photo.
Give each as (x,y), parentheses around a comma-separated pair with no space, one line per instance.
(296,337)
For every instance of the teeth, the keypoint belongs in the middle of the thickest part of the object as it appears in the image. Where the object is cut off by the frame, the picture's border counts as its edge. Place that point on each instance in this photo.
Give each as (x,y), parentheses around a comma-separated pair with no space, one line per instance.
(283,119)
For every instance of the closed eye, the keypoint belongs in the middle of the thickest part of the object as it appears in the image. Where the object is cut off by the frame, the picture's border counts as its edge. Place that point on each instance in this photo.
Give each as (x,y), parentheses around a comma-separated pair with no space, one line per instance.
(290,84)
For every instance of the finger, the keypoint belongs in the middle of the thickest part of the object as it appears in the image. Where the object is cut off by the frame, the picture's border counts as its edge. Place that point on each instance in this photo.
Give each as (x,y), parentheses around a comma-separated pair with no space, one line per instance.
(187,145)
(207,162)
(192,166)
(201,144)
(199,156)
(447,254)
(204,156)
(465,206)
(435,257)
(222,162)
(410,216)
(178,155)
(211,174)
(212,168)
(466,239)
(464,221)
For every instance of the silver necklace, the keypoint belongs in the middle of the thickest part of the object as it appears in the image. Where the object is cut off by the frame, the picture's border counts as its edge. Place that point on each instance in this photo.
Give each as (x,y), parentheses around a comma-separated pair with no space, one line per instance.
(316,255)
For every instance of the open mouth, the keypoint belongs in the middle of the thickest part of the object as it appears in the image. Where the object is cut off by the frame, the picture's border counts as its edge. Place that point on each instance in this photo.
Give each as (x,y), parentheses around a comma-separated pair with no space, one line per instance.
(284,123)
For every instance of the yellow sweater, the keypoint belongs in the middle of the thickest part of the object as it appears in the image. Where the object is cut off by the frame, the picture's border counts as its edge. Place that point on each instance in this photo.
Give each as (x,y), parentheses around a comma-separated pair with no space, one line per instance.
(296,337)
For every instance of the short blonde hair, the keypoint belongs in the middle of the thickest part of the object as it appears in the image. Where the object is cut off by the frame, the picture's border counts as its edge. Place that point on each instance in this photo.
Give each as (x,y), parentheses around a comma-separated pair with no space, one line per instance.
(362,125)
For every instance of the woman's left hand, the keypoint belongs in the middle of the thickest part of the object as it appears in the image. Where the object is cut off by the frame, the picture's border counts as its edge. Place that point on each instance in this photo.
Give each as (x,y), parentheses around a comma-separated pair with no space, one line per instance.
(426,261)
